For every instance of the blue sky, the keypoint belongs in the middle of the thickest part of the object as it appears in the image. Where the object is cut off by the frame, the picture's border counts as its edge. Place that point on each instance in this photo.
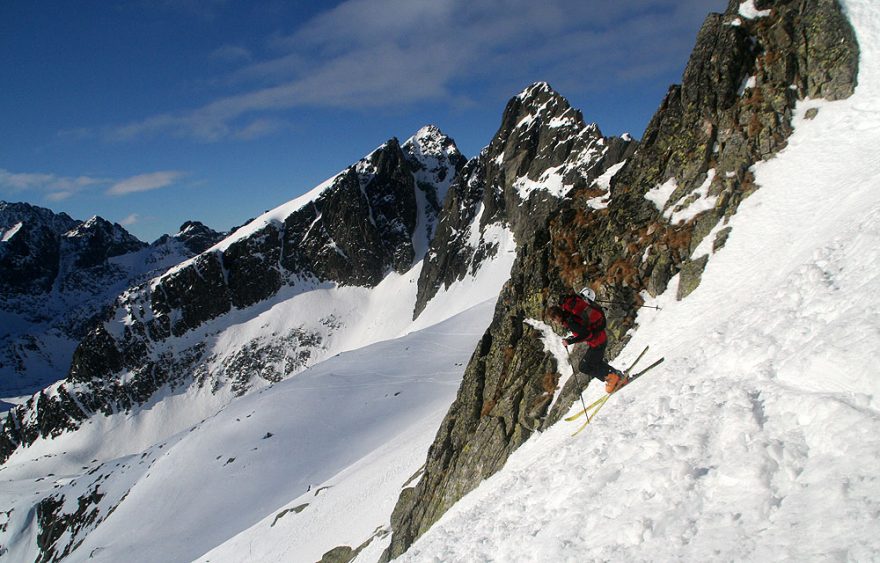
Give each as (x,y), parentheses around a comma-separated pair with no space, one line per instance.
(154,112)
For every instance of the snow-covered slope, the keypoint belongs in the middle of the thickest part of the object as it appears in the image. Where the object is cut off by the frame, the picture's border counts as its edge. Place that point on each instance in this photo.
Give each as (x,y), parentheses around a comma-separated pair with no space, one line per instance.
(288,472)
(759,437)
(755,440)
(286,290)
(380,385)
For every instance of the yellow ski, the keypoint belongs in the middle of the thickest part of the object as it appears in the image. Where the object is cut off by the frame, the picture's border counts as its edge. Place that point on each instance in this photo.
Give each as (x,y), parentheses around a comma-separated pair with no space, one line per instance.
(583,412)
(593,415)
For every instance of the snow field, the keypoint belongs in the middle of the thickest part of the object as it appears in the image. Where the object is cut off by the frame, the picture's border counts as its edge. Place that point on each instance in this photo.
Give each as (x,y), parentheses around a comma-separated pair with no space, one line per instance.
(342,437)
(365,412)
(759,437)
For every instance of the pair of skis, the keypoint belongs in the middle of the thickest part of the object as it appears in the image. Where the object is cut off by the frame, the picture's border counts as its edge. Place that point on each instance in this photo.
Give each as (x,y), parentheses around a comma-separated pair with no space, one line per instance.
(592,409)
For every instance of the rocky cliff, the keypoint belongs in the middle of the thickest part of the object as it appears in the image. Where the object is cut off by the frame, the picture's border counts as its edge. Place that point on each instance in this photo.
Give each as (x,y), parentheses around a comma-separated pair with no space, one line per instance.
(665,215)
(542,150)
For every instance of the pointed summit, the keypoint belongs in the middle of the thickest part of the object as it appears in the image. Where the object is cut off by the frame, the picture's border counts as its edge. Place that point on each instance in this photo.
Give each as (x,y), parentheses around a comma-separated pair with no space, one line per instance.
(435,160)
(539,106)
(96,240)
(431,141)
(535,89)
(541,101)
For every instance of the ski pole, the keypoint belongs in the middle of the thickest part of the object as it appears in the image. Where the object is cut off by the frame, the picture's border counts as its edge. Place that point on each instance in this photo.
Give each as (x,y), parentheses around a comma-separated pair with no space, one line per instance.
(624,304)
(578,379)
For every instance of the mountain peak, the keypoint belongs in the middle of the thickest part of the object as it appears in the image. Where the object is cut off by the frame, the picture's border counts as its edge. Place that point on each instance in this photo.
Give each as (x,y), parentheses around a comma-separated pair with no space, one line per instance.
(12,213)
(540,105)
(431,141)
(429,130)
(536,89)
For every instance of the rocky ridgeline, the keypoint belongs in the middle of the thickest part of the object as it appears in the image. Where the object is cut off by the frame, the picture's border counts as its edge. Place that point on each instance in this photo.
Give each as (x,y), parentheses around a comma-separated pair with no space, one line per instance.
(688,175)
(29,253)
(57,274)
(542,151)
(370,219)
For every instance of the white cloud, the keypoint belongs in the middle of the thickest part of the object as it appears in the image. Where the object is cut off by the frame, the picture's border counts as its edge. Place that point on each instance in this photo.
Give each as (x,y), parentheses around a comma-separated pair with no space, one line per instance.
(130,220)
(259,128)
(231,54)
(387,53)
(60,195)
(56,187)
(145,182)
(16,182)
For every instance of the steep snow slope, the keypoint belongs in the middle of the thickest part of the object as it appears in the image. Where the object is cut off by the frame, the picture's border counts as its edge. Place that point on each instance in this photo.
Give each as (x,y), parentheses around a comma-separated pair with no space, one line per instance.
(115,465)
(759,437)
(341,438)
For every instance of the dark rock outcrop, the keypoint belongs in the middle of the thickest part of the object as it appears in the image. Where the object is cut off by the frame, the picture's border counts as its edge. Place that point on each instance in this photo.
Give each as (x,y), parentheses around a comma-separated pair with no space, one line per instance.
(97,240)
(732,109)
(195,236)
(542,150)
(30,251)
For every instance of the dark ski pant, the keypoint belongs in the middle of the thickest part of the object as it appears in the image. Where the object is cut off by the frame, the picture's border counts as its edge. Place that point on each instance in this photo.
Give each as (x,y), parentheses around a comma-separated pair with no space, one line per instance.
(593,363)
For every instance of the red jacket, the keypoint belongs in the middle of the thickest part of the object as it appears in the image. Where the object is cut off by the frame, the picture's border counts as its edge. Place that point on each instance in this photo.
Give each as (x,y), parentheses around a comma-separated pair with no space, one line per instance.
(585,320)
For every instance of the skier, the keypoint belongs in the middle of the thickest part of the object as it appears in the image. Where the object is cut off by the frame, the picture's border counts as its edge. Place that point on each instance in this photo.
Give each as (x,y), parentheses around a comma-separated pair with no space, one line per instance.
(585,319)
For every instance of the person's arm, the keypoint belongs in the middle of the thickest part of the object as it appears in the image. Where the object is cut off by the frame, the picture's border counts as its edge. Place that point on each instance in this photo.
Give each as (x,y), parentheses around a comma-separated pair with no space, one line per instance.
(579,331)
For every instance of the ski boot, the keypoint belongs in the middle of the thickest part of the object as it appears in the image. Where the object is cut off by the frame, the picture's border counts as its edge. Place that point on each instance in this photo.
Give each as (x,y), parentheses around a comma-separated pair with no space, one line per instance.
(614,381)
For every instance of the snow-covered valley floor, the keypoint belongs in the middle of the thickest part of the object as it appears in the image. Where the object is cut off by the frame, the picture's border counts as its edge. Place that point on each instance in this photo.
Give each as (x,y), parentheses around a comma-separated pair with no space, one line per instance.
(759,437)
(283,474)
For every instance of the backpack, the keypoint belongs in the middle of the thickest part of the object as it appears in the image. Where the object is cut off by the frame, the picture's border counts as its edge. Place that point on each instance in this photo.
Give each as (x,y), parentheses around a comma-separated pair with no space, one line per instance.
(591,315)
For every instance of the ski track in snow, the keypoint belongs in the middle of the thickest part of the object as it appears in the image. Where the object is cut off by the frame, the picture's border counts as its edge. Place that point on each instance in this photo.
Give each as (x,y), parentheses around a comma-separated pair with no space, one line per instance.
(759,437)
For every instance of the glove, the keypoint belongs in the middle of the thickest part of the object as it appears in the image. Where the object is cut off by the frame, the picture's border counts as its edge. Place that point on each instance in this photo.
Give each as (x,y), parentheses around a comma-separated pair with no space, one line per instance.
(565,343)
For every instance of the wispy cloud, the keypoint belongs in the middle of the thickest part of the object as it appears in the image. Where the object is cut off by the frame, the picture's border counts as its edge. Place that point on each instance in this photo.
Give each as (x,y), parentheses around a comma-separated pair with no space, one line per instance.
(132,219)
(387,53)
(231,54)
(55,188)
(58,188)
(145,182)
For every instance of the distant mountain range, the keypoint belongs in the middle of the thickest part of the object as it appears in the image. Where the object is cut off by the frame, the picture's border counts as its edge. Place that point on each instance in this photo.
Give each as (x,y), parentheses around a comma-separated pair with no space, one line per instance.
(264,361)
(57,274)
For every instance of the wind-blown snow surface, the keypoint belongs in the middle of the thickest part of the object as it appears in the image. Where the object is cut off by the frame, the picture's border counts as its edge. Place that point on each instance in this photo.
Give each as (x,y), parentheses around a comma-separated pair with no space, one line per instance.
(759,437)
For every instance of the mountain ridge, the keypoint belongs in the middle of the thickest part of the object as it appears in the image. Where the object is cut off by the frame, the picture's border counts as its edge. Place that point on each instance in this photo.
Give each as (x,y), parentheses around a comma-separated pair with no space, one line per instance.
(257,306)
(633,228)
(58,274)
(371,219)
(697,151)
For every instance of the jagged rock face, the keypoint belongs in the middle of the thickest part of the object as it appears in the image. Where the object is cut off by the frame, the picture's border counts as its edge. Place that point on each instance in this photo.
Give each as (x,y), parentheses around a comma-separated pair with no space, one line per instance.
(193,235)
(29,251)
(95,241)
(361,228)
(542,150)
(689,173)
(369,220)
